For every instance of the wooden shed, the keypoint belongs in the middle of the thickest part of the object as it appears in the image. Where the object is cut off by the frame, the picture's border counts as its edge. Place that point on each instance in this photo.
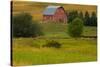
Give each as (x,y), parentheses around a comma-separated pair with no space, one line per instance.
(54,13)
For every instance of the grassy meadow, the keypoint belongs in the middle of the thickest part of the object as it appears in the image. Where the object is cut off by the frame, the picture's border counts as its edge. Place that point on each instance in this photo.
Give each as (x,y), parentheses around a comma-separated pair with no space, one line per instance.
(29,51)
(82,50)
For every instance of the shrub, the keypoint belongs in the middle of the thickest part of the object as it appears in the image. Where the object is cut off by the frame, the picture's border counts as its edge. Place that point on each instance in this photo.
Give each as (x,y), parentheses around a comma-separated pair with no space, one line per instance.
(24,26)
(75,28)
(52,43)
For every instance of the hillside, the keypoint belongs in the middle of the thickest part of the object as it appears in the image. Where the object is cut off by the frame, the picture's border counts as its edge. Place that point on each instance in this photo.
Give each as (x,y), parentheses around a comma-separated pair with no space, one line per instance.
(36,8)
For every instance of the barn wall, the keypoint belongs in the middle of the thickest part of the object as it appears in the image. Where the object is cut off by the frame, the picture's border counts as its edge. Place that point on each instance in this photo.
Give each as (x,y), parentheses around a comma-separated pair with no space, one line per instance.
(47,17)
(60,15)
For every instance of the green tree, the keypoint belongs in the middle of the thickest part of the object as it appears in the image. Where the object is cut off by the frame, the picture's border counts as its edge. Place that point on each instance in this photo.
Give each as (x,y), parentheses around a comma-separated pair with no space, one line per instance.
(75,28)
(93,19)
(81,16)
(72,15)
(23,26)
(87,19)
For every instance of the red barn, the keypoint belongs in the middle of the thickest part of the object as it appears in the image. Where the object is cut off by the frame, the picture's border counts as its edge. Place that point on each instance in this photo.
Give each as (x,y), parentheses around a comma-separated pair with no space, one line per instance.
(54,13)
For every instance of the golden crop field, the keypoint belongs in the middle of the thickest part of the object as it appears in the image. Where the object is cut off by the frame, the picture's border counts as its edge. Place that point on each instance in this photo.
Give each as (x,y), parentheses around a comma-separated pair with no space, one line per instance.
(36,8)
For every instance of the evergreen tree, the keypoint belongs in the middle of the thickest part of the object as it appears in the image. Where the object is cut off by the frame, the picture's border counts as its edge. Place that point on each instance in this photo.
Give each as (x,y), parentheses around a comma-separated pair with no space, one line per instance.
(72,15)
(93,19)
(81,15)
(87,19)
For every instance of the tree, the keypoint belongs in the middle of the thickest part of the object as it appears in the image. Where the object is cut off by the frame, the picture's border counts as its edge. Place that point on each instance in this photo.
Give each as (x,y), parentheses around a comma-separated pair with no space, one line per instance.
(23,26)
(81,16)
(75,28)
(93,19)
(87,19)
(72,15)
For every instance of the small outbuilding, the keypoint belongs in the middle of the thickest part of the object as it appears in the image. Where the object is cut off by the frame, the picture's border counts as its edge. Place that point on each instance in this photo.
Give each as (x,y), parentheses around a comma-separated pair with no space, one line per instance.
(55,14)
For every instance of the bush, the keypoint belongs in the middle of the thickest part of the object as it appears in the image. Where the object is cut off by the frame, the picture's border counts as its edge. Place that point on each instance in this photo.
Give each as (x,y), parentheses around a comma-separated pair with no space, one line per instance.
(75,28)
(52,43)
(24,26)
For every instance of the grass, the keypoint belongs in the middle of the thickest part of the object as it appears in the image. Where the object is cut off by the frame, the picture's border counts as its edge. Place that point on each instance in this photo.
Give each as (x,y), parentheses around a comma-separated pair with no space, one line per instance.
(72,50)
(90,31)
(29,51)
(60,30)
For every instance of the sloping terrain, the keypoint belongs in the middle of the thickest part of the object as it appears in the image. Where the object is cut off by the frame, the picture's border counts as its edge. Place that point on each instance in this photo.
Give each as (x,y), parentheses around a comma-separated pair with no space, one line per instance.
(36,8)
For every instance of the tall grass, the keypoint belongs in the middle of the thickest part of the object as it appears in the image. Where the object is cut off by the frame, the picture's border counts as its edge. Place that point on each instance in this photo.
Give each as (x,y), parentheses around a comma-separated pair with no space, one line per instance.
(72,50)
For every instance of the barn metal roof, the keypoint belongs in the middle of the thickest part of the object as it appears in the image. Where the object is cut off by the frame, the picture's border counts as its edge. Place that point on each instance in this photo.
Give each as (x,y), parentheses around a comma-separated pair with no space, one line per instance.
(50,10)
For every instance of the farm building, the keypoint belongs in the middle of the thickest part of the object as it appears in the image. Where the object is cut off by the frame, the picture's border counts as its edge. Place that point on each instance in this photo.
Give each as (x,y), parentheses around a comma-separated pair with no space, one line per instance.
(55,14)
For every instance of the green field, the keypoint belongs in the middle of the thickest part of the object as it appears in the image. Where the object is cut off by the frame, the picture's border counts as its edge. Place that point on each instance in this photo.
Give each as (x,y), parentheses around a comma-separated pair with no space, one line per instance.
(29,51)
(60,30)
(72,50)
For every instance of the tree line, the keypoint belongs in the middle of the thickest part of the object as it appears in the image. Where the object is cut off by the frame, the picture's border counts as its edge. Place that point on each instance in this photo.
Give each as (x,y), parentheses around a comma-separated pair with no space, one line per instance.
(89,19)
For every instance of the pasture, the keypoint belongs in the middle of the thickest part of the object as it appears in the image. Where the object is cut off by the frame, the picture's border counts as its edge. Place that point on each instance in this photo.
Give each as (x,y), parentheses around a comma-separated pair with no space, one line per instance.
(29,51)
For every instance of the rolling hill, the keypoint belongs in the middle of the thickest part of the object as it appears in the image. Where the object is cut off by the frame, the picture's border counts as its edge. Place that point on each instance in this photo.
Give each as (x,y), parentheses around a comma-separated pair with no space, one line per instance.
(36,8)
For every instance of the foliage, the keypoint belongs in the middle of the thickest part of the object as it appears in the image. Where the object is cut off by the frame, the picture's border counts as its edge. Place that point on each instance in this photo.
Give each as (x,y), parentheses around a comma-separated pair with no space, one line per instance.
(72,15)
(93,19)
(81,16)
(75,28)
(24,26)
(87,19)
(90,20)
(52,43)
